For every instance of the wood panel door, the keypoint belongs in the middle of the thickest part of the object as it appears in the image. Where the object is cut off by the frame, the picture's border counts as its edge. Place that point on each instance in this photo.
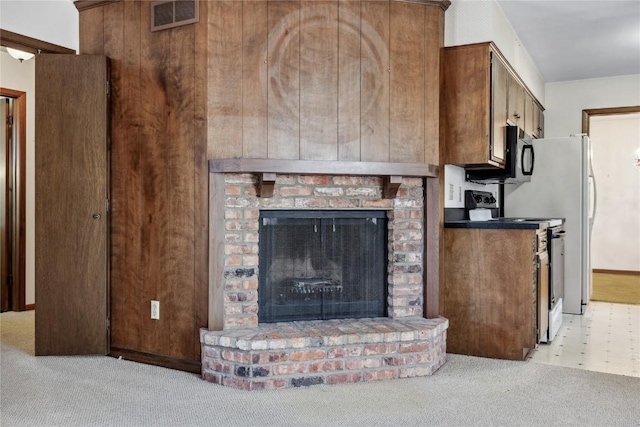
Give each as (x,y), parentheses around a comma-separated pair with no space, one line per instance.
(71,186)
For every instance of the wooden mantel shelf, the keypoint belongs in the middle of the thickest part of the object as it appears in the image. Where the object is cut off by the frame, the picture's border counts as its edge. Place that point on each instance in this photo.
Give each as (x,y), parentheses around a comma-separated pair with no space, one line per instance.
(322,167)
(267,170)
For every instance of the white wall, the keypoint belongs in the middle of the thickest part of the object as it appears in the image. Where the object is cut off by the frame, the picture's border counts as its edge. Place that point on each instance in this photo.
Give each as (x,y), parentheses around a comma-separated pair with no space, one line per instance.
(482,21)
(566,100)
(615,243)
(21,76)
(53,21)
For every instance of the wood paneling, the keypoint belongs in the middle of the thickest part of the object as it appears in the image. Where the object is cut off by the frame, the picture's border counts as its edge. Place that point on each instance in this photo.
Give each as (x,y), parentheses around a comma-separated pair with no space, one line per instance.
(216,252)
(224,58)
(431,277)
(407,56)
(124,158)
(374,81)
(159,179)
(201,185)
(127,278)
(254,80)
(319,80)
(349,42)
(284,80)
(434,40)
(91,25)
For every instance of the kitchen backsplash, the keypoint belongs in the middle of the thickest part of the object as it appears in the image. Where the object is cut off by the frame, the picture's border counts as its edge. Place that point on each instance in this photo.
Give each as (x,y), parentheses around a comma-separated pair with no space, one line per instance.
(455,185)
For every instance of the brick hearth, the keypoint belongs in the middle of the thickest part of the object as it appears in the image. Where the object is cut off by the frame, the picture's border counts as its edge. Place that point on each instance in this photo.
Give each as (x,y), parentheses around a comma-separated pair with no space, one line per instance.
(294,354)
(250,356)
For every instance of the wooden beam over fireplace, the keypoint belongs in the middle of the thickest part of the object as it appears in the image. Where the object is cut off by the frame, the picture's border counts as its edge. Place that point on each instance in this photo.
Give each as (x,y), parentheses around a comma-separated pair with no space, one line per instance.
(322,167)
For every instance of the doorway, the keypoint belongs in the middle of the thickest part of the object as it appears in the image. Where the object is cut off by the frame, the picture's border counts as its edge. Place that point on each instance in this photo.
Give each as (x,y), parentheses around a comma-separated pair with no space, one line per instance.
(22,297)
(12,200)
(615,243)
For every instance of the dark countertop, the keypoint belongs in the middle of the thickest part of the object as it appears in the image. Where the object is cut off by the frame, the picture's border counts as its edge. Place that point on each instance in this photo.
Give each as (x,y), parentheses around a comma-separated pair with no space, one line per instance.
(457,218)
(500,223)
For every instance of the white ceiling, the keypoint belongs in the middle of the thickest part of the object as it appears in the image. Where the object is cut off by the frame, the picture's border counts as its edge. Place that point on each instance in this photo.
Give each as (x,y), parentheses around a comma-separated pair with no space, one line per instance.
(578,39)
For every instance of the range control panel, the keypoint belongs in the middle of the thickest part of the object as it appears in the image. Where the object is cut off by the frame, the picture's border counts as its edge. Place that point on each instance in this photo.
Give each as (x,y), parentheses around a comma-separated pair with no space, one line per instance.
(479,199)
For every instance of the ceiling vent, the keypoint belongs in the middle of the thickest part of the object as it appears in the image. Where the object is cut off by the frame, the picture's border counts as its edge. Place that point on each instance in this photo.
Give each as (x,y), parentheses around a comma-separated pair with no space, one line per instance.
(169,14)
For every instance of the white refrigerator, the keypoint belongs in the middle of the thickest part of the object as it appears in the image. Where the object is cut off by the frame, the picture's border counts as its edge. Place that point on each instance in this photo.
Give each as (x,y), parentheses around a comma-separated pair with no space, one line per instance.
(562,186)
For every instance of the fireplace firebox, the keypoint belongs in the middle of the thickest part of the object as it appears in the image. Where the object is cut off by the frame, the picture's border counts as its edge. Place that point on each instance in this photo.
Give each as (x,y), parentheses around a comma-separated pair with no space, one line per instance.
(323,264)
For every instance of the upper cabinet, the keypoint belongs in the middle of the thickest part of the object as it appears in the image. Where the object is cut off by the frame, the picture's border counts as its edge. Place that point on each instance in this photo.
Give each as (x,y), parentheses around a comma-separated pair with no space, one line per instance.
(516,102)
(481,95)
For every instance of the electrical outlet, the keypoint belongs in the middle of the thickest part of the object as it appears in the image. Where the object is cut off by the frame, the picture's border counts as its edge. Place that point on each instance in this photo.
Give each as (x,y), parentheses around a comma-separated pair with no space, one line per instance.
(155,309)
(451,192)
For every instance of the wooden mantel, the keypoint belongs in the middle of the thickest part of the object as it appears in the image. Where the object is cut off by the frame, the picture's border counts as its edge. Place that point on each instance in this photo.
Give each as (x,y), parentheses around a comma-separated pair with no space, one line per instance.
(267,170)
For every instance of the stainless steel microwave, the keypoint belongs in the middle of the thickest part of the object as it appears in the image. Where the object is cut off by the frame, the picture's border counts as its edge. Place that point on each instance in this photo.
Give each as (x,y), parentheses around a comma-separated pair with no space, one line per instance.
(519,161)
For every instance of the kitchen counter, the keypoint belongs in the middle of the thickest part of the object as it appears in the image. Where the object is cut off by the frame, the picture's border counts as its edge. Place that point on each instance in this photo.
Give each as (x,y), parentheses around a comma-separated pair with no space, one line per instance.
(458,218)
(500,223)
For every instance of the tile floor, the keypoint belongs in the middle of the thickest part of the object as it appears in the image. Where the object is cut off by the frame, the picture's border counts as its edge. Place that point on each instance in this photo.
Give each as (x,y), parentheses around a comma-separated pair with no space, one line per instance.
(605,339)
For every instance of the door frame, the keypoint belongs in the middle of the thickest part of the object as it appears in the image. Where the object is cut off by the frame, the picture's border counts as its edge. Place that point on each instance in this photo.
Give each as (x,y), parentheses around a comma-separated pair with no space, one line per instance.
(586,114)
(27,44)
(20,122)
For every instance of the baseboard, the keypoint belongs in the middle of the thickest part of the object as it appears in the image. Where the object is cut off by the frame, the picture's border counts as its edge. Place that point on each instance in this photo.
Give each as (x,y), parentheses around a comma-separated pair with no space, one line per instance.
(29,307)
(157,360)
(627,272)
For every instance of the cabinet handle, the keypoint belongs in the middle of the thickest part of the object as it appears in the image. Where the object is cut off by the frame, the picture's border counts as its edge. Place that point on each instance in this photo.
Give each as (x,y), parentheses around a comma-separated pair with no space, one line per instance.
(96,216)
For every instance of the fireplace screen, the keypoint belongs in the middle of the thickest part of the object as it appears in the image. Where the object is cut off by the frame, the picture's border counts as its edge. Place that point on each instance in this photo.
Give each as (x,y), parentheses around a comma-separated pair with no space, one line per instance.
(322,265)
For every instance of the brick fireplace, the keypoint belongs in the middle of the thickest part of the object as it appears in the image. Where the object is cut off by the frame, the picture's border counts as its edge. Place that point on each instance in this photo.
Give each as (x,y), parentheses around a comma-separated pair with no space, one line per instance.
(250,355)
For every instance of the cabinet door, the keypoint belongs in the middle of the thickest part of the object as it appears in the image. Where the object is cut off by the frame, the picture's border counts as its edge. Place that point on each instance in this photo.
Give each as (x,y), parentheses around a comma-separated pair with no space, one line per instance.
(528,114)
(499,111)
(536,120)
(540,128)
(516,102)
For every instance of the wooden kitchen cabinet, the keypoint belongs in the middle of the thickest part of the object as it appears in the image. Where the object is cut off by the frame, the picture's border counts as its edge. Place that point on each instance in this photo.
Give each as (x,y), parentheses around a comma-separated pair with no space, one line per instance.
(533,117)
(490,291)
(481,95)
(538,121)
(474,109)
(516,115)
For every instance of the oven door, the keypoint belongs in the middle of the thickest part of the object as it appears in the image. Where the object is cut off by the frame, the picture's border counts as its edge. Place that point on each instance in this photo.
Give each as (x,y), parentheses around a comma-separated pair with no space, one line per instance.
(556,252)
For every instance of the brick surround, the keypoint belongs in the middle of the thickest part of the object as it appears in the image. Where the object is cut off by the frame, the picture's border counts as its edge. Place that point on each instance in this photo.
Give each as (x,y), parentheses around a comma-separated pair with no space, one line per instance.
(243,365)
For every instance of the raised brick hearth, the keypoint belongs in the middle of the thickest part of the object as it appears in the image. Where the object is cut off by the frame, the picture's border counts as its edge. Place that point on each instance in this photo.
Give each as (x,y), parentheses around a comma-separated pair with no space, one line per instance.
(294,354)
(248,355)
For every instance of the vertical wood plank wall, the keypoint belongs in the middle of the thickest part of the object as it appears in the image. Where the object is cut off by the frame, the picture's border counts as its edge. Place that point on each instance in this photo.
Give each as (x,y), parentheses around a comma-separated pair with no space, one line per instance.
(324,80)
(314,80)
(158,179)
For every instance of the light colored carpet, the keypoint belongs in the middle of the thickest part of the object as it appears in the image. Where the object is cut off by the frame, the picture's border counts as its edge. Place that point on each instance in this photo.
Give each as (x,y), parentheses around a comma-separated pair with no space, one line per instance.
(103,391)
(619,288)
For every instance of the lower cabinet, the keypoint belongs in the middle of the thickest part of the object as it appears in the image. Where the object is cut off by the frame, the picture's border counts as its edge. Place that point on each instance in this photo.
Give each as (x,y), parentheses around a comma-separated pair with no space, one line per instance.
(490,291)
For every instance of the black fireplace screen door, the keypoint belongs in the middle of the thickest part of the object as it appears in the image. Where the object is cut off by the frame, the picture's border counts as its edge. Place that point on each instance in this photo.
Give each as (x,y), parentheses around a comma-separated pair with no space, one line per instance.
(322,265)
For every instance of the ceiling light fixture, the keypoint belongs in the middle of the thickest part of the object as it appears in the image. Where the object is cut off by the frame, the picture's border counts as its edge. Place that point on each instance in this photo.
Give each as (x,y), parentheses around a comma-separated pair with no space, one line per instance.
(19,54)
